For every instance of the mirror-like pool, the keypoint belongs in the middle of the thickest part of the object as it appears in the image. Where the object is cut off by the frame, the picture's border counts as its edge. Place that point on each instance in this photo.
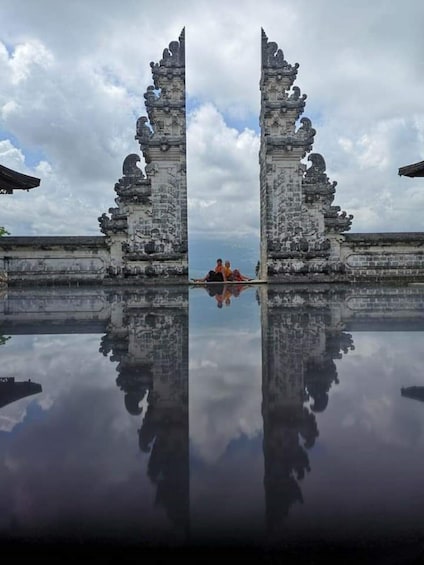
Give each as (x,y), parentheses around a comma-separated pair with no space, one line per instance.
(273,420)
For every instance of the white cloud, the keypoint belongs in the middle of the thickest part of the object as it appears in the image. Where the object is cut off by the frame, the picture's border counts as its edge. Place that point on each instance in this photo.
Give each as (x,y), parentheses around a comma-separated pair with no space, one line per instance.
(223,175)
(25,56)
(11,156)
(223,393)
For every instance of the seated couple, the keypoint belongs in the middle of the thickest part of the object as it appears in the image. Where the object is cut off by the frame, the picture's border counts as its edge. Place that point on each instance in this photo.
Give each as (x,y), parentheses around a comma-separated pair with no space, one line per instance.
(223,273)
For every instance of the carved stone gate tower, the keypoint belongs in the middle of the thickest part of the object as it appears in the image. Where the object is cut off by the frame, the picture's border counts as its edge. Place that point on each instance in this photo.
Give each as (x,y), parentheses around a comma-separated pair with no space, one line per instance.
(299,226)
(147,232)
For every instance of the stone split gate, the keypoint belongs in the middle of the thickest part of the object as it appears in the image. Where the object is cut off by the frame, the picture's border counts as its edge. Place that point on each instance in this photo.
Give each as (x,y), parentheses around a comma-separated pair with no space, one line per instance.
(303,235)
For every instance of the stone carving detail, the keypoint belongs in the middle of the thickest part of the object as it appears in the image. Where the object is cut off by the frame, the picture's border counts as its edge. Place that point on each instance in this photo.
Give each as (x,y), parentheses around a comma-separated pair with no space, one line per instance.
(318,188)
(144,134)
(273,58)
(129,166)
(117,222)
(132,187)
(286,139)
(281,107)
(173,56)
(165,102)
(316,172)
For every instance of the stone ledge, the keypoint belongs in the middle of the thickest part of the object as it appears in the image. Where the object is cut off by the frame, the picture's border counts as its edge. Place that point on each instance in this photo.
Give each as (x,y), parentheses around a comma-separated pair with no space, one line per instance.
(52,241)
(385,237)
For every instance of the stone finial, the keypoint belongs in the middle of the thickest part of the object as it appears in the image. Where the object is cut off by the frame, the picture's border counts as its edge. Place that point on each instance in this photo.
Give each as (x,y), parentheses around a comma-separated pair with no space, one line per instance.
(133,185)
(175,54)
(316,172)
(306,130)
(172,56)
(129,166)
(142,129)
(273,57)
(337,221)
(150,96)
(317,187)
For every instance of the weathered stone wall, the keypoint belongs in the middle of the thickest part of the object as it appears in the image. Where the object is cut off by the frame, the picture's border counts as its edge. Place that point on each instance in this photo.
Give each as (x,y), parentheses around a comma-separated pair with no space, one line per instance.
(366,257)
(54,260)
(383,256)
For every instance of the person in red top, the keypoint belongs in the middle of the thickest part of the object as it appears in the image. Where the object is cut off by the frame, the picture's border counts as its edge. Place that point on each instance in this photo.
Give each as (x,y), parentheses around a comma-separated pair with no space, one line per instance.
(234,275)
(237,276)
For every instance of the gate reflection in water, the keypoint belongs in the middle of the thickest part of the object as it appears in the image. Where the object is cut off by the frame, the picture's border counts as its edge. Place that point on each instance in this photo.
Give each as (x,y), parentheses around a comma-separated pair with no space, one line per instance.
(270,417)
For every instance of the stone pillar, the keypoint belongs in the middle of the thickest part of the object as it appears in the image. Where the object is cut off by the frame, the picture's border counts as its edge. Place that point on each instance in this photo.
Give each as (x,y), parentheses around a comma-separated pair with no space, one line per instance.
(148,231)
(297,219)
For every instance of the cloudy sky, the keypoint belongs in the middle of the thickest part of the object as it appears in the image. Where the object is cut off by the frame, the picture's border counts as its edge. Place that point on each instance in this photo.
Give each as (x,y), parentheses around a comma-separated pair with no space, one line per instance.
(73,74)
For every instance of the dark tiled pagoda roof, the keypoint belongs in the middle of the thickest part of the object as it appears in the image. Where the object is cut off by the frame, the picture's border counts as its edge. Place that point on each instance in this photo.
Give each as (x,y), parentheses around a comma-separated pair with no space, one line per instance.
(415,170)
(11,390)
(11,180)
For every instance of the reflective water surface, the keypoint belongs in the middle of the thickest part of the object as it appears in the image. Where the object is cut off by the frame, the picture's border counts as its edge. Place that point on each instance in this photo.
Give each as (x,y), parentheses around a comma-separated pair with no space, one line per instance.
(268,419)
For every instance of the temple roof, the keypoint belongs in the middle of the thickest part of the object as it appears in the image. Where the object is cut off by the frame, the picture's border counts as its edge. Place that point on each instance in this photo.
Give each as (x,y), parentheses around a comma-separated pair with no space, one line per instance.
(11,390)
(11,180)
(414,170)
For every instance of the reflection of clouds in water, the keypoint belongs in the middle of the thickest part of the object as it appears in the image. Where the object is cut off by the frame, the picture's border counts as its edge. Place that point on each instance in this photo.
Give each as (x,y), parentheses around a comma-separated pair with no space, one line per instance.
(225,390)
(366,464)
(368,398)
(202,364)
(36,357)
(80,458)
(16,415)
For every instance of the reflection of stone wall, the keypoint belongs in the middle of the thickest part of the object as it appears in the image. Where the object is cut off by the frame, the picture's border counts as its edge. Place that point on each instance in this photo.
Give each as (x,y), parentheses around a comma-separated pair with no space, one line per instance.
(148,338)
(54,310)
(304,330)
(301,337)
(146,335)
(145,331)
